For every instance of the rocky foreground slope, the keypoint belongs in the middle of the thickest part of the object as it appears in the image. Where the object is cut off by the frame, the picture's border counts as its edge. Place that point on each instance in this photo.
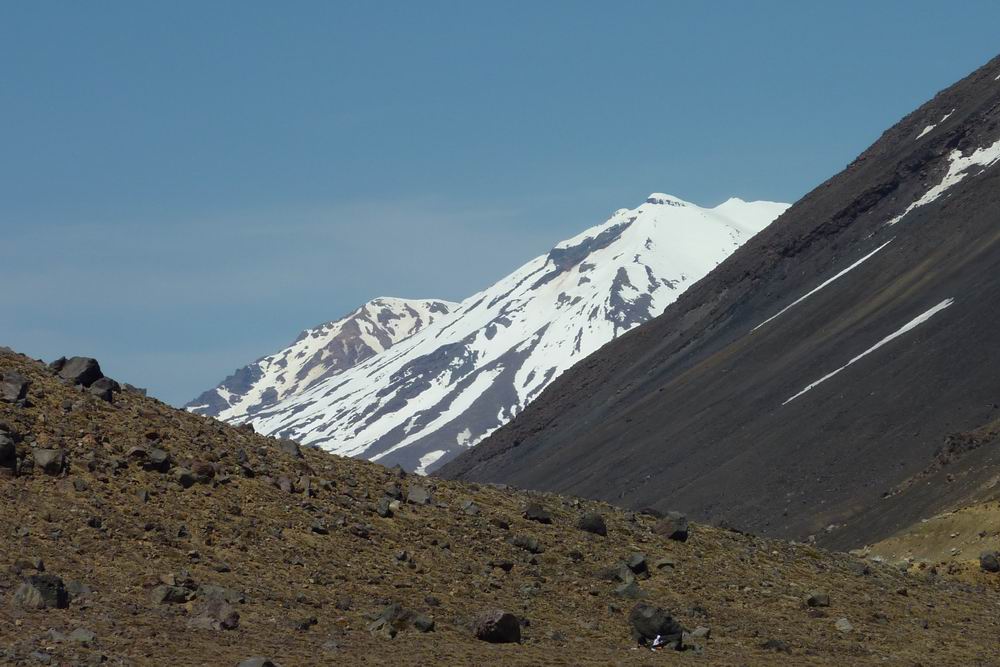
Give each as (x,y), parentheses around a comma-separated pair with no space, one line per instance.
(137,534)
(798,387)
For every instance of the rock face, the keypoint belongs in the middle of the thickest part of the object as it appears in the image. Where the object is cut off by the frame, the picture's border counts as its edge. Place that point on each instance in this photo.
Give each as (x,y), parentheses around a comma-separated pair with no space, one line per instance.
(317,354)
(817,351)
(497,627)
(446,387)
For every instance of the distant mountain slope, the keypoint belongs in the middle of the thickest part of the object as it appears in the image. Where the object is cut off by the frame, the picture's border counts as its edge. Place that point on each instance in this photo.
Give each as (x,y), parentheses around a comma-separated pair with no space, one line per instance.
(318,353)
(822,364)
(445,388)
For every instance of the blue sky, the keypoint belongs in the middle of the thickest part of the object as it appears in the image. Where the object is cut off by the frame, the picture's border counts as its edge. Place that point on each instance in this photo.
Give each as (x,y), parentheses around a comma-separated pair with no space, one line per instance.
(184,186)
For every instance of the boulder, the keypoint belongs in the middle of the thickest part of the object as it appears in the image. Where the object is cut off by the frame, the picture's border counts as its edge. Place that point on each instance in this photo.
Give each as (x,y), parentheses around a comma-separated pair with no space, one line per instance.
(649,622)
(673,526)
(42,591)
(104,388)
(592,522)
(535,512)
(637,563)
(818,599)
(418,495)
(170,595)
(527,543)
(216,614)
(497,627)
(258,661)
(81,370)
(290,447)
(13,387)
(51,461)
(157,460)
(8,450)
(989,561)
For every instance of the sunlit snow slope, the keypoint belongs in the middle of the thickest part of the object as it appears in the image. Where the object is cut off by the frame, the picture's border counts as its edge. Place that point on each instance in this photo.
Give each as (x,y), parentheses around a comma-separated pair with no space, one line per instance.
(319,353)
(448,386)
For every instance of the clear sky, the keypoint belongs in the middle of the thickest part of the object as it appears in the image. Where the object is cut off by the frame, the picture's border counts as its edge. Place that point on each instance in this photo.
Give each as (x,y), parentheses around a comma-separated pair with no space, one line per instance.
(184,186)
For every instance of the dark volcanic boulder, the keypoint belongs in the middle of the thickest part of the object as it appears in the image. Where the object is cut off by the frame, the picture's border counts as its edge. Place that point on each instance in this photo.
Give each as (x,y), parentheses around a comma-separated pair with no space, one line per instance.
(649,622)
(42,591)
(674,526)
(989,561)
(104,388)
(8,450)
(592,522)
(81,370)
(497,627)
(13,387)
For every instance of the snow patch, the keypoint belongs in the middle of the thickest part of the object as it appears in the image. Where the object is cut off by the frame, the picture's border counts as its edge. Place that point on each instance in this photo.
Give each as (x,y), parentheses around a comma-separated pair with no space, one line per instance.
(958,169)
(824,284)
(427,460)
(912,324)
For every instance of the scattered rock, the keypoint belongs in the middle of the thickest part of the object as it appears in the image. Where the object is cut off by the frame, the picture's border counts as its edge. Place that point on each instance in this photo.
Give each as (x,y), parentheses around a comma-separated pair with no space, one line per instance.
(423,623)
(290,447)
(184,477)
(989,561)
(156,460)
(535,512)
(637,563)
(843,625)
(8,450)
(592,522)
(470,508)
(418,495)
(82,636)
(13,387)
(673,526)
(51,461)
(81,370)
(817,599)
(170,595)
(42,591)
(630,590)
(382,508)
(527,543)
(649,622)
(497,627)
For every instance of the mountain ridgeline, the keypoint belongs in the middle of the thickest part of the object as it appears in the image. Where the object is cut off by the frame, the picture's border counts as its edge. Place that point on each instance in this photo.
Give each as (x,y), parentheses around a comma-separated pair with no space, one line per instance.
(471,367)
(825,377)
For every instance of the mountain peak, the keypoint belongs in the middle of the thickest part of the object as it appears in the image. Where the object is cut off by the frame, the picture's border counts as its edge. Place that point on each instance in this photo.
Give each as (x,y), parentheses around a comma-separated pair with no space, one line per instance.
(662,199)
(447,387)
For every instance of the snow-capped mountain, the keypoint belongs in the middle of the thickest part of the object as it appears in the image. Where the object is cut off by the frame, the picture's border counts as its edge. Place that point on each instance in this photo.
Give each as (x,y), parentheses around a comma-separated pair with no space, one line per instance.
(448,386)
(318,353)
(836,376)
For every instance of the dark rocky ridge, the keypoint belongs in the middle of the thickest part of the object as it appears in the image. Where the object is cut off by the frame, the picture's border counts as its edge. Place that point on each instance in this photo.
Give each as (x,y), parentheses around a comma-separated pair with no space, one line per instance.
(687,410)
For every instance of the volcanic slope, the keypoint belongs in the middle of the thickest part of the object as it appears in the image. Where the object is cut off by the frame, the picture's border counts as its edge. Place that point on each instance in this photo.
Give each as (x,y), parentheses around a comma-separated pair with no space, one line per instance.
(153,536)
(444,389)
(822,364)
